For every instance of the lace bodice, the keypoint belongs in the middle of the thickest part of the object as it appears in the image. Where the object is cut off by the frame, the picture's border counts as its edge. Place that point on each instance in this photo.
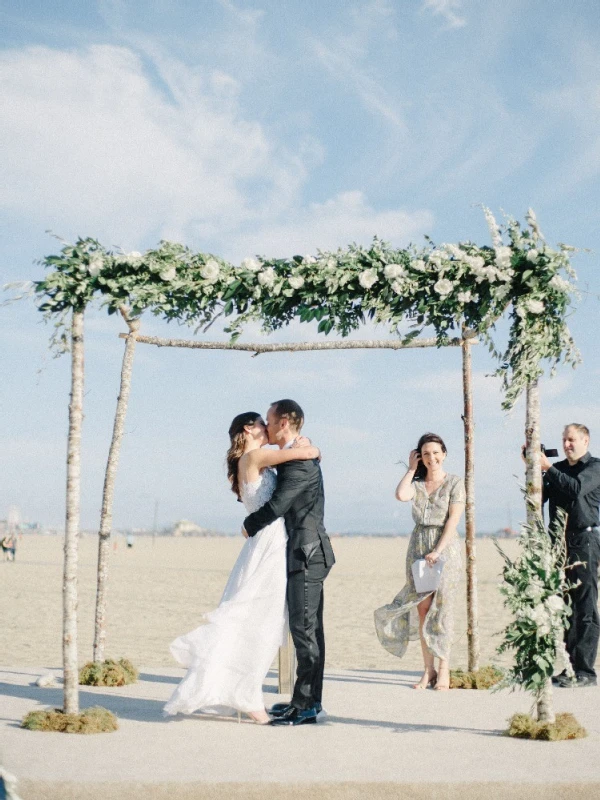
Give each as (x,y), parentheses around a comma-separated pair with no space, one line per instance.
(256,494)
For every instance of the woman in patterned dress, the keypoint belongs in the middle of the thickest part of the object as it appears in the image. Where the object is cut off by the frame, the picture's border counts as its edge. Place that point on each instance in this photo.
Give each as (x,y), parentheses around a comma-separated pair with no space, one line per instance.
(438,500)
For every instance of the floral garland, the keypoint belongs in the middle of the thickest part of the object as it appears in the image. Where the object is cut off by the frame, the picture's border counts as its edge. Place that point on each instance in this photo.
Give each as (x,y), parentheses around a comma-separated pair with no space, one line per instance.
(442,287)
(534,588)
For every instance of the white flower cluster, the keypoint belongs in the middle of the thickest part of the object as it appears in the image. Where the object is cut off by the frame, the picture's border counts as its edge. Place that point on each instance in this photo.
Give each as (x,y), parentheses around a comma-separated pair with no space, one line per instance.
(211,271)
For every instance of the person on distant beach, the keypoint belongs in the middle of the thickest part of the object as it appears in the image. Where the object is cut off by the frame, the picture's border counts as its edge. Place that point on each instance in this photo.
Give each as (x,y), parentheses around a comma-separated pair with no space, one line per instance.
(229,656)
(9,546)
(438,500)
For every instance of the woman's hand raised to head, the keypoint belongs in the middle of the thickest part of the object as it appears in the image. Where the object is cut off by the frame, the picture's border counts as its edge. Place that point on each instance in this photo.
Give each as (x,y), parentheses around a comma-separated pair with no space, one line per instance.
(413,460)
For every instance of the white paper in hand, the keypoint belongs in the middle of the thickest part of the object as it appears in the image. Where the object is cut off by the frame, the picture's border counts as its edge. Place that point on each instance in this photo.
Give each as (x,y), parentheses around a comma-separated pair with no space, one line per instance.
(426,578)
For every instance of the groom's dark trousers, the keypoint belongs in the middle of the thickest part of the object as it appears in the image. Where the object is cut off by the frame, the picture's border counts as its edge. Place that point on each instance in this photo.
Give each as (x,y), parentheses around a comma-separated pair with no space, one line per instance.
(299,498)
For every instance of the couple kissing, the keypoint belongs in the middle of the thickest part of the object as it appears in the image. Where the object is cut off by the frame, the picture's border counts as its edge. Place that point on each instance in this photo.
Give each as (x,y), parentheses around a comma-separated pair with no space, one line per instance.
(276,581)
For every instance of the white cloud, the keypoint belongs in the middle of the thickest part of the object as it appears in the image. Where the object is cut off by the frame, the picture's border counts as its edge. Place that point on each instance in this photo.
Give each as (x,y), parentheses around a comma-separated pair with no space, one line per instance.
(448,10)
(91,146)
(90,143)
(344,218)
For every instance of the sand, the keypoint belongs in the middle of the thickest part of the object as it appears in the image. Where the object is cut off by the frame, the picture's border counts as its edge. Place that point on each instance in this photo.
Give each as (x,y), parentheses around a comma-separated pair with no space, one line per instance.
(158,590)
(380,739)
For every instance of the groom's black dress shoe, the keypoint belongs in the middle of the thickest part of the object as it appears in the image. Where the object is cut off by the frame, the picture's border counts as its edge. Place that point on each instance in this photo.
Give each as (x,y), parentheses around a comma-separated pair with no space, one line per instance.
(296,716)
(277,709)
(580,681)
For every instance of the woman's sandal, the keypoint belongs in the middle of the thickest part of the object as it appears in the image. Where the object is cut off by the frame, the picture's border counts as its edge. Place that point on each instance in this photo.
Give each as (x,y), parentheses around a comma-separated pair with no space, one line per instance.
(426,681)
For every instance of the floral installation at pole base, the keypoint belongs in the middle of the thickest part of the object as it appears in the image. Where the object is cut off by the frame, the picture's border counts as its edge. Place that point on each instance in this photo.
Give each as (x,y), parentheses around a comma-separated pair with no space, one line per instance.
(535,590)
(108,673)
(482,678)
(446,287)
(90,720)
(523,726)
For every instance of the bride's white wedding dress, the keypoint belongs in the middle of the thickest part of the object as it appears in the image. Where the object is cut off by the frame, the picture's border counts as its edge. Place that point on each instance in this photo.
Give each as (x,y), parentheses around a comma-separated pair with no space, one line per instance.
(229,655)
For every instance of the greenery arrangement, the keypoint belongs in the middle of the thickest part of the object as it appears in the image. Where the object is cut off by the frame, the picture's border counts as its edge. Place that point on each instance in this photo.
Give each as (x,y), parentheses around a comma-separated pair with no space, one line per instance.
(523,726)
(483,678)
(92,720)
(108,673)
(442,287)
(534,589)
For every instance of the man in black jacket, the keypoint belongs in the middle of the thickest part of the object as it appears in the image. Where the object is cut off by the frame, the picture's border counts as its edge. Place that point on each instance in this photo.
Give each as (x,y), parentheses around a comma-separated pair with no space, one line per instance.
(299,498)
(574,485)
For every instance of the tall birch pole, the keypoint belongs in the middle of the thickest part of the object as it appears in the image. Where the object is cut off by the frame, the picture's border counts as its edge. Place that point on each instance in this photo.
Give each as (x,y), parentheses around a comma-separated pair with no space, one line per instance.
(109,487)
(533,483)
(472,614)
(70,666)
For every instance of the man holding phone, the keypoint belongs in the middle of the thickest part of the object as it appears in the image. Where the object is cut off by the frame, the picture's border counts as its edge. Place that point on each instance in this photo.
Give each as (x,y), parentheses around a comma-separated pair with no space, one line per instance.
(574,485)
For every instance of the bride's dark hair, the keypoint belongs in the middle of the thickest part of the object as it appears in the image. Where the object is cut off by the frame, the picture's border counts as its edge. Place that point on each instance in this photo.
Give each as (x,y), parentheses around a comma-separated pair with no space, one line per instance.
(421,470)
(236,448)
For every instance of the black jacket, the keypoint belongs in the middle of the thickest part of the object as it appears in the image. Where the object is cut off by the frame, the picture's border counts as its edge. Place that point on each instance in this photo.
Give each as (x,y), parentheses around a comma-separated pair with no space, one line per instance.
(300,500)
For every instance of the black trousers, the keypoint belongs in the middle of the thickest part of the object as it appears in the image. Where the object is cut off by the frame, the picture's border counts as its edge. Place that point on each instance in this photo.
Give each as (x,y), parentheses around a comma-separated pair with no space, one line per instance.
(305,608)
(581,637)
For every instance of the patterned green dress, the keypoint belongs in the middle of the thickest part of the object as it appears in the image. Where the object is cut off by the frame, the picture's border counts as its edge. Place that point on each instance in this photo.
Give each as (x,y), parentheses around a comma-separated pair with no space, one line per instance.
(398,622)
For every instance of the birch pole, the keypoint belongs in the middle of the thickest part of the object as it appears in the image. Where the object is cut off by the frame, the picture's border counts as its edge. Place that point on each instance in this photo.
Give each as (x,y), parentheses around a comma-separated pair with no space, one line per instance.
(472,613)
(533,483)
(109,488)
(70,666)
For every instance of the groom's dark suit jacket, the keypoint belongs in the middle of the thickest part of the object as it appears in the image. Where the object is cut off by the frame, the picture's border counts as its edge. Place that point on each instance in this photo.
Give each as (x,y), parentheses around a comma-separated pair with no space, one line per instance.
(299,498)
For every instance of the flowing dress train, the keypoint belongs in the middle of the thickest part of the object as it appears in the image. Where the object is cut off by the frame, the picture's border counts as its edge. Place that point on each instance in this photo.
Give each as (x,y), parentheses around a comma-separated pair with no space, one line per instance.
(229,655)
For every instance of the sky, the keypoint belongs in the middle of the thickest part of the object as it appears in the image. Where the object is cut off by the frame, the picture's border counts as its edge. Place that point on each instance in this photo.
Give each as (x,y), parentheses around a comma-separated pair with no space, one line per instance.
(277,127)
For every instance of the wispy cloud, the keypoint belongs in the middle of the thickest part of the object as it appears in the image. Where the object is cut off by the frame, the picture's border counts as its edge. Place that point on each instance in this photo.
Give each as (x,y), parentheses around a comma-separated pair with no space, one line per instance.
(347,217)
(448,9)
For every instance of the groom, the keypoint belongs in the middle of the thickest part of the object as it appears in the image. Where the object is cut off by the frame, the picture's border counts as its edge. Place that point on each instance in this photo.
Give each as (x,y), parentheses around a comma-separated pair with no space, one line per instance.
(299,498)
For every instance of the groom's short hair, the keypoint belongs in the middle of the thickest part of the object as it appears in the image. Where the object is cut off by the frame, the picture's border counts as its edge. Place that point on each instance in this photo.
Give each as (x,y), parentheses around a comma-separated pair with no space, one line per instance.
(290,410)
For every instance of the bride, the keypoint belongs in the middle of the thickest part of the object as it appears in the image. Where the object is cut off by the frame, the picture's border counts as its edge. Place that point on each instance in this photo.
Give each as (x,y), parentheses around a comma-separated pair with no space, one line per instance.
(229,655)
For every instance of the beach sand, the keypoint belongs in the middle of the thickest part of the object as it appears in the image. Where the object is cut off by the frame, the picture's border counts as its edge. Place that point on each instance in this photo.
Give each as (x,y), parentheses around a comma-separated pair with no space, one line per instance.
(158,590)
(379,739)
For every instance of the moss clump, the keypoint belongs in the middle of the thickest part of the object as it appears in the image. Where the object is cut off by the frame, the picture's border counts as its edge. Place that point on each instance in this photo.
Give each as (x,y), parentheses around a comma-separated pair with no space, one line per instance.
(108,673)
(483,678)
(92,720)
(523,726)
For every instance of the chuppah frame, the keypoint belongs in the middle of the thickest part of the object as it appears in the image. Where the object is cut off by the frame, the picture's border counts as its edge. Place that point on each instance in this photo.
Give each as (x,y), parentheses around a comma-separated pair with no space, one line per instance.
(286,659)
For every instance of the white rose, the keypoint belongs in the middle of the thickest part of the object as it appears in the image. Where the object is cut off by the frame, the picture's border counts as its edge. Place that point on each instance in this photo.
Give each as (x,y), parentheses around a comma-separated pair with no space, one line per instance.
(393,271)
(443,287)
(251,264)
(368,278)
(397,287)
(296,281)
(477,262)
(168,274)
(532,255)
(503,255)
(309,260)
(464,297)
(419,265)
(555,603)
(535,306)
(96,264)
(267,277)
(560,283)
(210,271)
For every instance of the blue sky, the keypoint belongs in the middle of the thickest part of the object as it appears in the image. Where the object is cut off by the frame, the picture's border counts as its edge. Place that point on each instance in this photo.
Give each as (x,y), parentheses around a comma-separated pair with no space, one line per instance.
(278,128)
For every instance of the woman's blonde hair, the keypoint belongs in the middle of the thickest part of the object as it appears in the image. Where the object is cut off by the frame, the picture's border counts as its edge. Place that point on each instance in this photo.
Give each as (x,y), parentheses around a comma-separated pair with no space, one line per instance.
(237,444)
